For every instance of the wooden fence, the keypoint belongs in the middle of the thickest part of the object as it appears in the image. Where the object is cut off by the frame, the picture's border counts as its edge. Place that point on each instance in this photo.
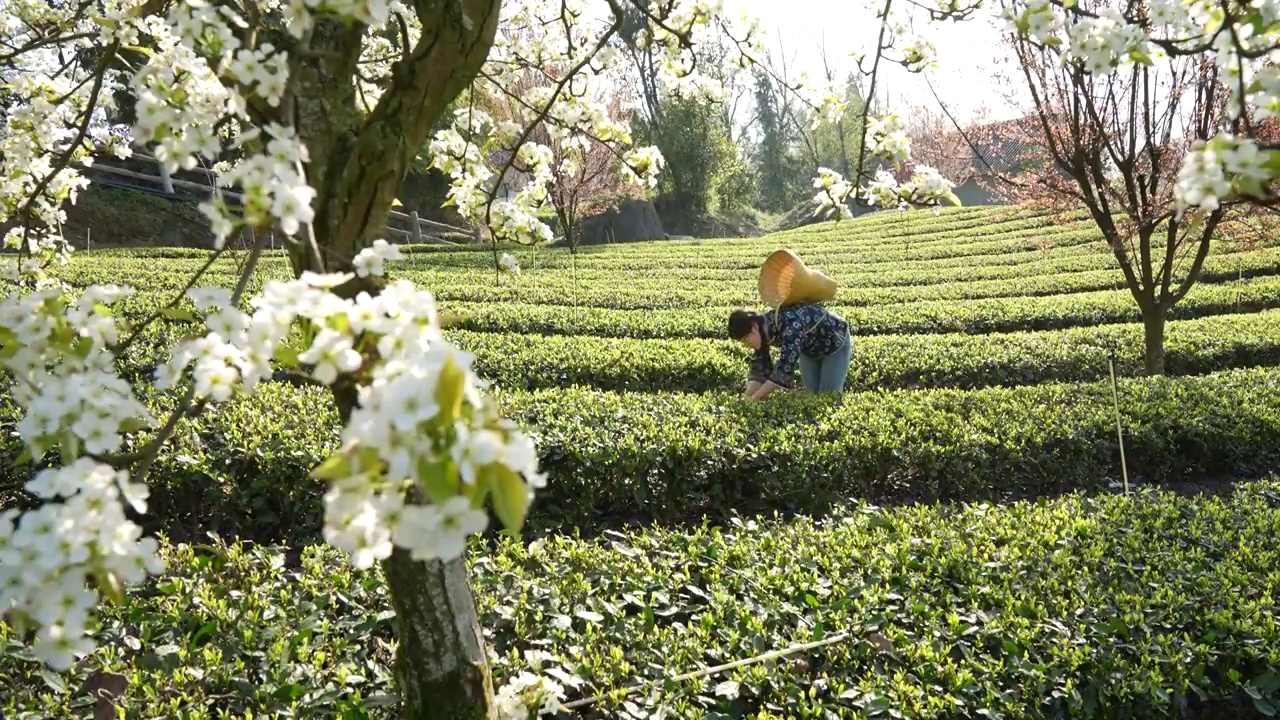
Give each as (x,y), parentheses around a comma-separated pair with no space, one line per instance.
(415,229)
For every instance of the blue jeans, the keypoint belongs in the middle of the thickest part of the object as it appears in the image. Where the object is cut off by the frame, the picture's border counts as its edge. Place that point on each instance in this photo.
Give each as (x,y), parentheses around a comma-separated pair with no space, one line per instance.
(828,374)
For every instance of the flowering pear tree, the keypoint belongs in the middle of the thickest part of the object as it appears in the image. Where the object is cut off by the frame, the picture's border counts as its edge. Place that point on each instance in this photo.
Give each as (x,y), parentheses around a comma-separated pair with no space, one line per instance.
(588,170)
(1234,162)
(888,141)
(313,110)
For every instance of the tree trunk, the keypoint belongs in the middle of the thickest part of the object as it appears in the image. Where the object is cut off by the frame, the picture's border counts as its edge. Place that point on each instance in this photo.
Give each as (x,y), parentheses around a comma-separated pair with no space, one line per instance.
(844,150)
(358,159)
(1153,322)
(441,666)
(357,163)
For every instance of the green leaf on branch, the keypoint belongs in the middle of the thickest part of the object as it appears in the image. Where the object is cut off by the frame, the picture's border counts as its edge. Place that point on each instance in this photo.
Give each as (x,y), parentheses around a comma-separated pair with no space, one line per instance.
(1250,186)
(55,305)
(110,586)
(69,446)
(8,343)
(181,314)
(336,467)
(449,390)
(286,356)
(368,460)
(510,495)
(1272,163)
(439,480)
(133,424)
(340,322)
(83,347)
(65,336)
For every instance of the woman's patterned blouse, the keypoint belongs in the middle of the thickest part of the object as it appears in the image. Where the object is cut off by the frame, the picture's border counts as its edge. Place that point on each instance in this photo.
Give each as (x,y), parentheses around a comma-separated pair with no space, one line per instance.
(803,328)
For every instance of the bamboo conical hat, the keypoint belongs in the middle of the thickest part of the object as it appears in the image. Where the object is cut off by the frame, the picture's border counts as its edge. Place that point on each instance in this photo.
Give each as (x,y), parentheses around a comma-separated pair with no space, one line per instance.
(786,280)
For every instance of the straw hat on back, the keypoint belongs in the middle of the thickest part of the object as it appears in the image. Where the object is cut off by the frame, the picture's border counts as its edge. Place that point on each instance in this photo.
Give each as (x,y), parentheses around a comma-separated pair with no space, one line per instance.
(786,280)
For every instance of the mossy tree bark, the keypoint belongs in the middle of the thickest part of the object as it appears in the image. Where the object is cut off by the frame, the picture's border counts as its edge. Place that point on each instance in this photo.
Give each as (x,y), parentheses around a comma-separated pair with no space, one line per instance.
(442,665)
(357,163)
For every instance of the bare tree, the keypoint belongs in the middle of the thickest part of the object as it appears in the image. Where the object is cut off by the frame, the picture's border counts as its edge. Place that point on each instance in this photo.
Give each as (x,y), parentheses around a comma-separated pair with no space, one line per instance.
(935,142)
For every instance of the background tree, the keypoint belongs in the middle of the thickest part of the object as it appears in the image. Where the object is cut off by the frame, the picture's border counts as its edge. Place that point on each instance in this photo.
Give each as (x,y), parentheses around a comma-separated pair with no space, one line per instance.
(792,142)
(1114,143)
(693,127)
(835,142)
(586,171)
(774,159)
(935,142)
(696,148)
(586,178)
(784,155)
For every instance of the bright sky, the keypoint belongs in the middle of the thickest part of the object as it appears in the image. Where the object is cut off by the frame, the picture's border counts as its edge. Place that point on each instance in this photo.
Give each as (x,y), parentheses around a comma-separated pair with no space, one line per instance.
(967,51)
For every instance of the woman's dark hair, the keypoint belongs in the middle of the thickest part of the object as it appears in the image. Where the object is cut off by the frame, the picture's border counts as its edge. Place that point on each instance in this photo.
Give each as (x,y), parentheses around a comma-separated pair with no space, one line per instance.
(740,323)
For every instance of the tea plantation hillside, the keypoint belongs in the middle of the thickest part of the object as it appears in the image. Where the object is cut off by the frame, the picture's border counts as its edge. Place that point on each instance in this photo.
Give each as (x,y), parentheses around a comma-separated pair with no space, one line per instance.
(953,528)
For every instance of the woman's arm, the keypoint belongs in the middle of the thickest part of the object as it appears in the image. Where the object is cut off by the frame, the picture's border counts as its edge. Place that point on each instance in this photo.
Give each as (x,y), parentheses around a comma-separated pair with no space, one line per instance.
(759,365)
(765,390)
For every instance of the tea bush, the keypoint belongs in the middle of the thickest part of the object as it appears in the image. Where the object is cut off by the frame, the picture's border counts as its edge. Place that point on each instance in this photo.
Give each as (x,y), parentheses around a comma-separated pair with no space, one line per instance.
(979,316)
(1148,606)
(957,360)
(617,457)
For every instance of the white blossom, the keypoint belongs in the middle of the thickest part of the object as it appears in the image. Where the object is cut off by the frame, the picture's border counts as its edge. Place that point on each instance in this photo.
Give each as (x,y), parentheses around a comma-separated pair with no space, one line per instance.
(527,693)
(371,260)
(508,262)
